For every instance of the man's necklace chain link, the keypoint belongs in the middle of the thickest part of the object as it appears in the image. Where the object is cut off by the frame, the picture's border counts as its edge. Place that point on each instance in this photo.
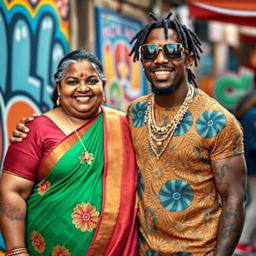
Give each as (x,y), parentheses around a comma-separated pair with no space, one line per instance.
(160,136)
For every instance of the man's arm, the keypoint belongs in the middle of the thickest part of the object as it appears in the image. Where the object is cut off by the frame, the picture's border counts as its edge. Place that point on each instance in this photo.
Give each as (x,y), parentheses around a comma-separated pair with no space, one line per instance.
(230,179)
(21,130)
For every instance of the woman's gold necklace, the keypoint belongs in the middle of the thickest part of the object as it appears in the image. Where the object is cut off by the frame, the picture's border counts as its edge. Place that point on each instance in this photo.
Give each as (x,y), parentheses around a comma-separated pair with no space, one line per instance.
(86,156)
(160,136)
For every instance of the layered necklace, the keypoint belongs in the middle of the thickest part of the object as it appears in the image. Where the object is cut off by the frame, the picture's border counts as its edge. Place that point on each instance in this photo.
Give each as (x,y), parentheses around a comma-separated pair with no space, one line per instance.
(160,136)
(86,156)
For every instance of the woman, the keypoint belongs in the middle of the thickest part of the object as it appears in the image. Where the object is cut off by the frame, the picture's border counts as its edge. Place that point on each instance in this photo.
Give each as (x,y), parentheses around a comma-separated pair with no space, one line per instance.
(69,188)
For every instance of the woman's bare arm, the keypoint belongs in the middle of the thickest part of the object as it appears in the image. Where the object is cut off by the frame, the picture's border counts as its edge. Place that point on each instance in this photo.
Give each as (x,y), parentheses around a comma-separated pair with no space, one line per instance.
(14,192)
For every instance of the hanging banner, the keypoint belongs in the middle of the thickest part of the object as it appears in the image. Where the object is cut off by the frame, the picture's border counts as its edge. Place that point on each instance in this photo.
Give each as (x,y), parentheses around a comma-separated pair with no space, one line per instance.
(125,79)
(237,12)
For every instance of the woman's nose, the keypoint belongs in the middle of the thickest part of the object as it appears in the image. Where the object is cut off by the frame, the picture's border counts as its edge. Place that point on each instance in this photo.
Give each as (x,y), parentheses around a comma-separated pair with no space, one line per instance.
(83,87)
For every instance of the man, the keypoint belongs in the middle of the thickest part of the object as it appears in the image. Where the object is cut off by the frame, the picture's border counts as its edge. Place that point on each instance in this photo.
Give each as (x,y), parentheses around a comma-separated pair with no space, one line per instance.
(246,114)
(189,152)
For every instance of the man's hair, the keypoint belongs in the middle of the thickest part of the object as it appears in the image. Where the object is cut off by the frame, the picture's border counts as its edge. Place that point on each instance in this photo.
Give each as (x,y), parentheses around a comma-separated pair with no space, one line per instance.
(188,38)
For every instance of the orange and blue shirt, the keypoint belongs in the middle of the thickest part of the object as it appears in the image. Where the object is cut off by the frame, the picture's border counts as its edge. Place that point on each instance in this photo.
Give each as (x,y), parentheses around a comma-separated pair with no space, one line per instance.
(179,206)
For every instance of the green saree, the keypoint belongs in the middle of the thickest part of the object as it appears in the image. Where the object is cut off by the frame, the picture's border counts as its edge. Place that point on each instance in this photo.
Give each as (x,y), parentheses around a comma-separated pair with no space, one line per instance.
(68,201)
(86,208)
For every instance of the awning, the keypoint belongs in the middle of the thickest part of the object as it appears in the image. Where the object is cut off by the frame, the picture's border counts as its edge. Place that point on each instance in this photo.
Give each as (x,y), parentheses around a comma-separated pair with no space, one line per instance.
(238,12)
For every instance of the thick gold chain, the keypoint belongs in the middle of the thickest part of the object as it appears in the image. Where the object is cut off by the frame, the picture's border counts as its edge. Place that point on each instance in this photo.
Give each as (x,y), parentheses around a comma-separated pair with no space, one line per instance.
(159,134)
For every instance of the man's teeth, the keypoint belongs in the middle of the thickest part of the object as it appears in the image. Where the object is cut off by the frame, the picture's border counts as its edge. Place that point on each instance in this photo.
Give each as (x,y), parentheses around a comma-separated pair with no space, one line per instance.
(162,72)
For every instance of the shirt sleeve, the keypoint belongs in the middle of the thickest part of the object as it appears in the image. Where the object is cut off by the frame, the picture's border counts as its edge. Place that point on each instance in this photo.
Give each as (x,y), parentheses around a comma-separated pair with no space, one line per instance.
(23,158)
(229,142)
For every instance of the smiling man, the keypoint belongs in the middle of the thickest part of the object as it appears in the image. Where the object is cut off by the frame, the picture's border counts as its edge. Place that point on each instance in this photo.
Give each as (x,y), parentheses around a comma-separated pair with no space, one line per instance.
(189,151)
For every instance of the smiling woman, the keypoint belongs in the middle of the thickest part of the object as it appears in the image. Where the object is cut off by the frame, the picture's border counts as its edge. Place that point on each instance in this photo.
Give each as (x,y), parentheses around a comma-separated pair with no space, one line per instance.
(63,189)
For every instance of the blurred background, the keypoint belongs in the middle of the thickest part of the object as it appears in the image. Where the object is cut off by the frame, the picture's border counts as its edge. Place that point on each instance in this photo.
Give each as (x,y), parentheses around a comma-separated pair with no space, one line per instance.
(34,35)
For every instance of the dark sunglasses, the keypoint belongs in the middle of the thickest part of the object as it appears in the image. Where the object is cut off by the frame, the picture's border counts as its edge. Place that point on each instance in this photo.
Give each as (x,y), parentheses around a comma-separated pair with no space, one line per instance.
(148,52)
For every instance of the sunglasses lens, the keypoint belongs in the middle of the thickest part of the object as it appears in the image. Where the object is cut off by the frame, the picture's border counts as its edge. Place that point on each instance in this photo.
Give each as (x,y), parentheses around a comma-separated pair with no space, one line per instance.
(172,51)
(148,52)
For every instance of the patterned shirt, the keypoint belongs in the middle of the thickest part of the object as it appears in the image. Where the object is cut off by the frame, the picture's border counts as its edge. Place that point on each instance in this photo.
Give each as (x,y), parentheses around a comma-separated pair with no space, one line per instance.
(179,207)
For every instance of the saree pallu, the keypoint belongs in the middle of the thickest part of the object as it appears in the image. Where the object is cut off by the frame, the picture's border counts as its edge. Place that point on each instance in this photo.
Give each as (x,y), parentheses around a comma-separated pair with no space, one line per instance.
(87,208)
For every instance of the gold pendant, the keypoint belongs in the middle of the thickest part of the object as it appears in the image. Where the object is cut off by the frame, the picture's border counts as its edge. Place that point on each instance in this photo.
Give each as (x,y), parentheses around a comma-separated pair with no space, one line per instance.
(86,156)
(159,143)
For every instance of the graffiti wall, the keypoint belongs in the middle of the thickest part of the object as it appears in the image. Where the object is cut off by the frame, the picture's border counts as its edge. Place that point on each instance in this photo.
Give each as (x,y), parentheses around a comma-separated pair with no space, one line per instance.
(34,35)
(125,79)
(227,87)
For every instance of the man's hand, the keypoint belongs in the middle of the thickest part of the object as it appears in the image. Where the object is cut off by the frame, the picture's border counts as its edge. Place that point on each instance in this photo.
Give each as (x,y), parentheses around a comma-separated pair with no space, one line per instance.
(21,130)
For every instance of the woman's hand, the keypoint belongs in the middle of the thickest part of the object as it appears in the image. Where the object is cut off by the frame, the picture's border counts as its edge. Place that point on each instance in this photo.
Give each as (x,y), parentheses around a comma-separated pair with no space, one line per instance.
(21,130)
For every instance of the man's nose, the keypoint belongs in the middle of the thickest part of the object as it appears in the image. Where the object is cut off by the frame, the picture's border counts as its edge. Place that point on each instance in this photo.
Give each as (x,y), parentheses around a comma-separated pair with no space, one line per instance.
(160,58)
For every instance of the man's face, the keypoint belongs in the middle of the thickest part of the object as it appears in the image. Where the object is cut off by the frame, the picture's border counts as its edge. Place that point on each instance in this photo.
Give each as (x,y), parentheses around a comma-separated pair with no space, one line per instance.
(165,75)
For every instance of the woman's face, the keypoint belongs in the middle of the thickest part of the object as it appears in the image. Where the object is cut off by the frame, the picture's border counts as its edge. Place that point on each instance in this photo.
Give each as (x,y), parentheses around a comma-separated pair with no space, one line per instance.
(81,90)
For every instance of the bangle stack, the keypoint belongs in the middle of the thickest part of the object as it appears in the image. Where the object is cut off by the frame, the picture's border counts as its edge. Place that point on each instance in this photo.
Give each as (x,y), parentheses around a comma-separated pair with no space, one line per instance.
(16,251)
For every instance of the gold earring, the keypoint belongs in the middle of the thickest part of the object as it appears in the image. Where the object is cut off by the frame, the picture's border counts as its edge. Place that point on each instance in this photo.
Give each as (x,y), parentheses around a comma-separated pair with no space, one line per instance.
(104,99)
(58,100)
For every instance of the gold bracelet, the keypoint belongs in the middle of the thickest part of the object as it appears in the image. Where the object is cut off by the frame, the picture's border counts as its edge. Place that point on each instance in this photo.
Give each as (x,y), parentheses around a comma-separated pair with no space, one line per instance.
(13,252)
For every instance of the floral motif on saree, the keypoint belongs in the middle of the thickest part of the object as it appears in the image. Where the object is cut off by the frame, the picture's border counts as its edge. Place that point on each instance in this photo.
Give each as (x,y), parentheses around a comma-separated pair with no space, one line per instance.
(43,186)
(60,251)
(38,241)
(85,217)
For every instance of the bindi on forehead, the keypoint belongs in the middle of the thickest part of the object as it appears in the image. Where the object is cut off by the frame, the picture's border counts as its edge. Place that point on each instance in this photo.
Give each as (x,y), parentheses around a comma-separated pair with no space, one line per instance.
(81,75)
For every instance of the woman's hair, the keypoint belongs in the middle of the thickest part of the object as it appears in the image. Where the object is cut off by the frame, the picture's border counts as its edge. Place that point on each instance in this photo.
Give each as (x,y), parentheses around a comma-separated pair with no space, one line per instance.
(188,38)
(71,58)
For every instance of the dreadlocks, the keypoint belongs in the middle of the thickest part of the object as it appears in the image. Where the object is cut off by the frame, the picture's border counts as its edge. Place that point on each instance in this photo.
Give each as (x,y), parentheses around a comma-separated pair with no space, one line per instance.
(187,37)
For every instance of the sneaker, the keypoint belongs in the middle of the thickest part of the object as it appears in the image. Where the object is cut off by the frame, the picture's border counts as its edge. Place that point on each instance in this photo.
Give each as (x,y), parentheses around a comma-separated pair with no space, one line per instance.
(244,249)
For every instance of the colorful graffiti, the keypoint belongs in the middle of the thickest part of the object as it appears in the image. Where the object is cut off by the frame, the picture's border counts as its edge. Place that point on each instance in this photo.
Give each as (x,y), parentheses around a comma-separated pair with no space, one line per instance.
(34,36)
(125,79)
(230,87)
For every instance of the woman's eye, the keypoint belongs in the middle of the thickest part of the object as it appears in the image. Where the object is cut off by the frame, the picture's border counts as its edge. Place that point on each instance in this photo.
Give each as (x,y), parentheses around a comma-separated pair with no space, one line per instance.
(93,81)
(72,82)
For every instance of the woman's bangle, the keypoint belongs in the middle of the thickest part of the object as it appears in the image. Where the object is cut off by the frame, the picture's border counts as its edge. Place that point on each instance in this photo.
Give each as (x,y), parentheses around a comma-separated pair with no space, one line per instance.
(16,251)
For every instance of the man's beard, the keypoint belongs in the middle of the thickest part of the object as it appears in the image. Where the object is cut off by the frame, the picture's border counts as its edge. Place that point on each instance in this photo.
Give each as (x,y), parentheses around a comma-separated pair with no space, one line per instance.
(161,91)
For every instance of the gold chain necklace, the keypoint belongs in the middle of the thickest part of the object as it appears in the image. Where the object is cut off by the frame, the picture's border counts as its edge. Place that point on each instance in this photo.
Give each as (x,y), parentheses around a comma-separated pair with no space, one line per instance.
(160,136)
(86,156)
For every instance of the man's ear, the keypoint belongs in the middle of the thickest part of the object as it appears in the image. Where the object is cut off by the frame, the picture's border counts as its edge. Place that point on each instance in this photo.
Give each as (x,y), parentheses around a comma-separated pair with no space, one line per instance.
(190,61)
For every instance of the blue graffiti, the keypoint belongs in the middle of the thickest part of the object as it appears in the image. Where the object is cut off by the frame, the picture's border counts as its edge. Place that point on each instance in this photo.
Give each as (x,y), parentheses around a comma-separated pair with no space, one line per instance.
(30,48)
(3,51)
